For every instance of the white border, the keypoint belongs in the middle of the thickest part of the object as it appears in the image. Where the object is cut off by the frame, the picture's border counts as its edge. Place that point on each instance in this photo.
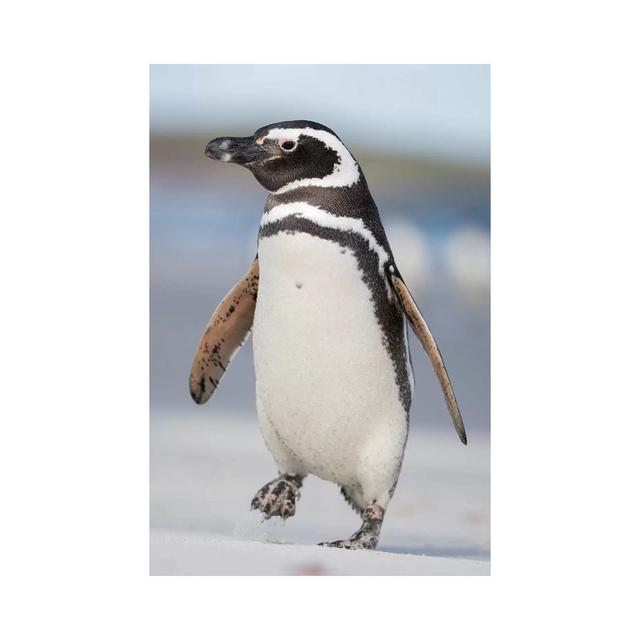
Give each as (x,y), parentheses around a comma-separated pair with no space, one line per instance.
(565,322)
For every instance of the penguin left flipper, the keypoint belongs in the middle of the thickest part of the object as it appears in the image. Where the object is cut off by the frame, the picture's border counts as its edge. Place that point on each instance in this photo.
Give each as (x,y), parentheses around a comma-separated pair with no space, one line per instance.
(224,334)
(424,335)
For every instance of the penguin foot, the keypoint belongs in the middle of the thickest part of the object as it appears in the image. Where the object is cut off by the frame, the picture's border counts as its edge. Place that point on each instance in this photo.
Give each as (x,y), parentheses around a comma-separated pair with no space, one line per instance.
(366,537)
(278,497)
(355,542)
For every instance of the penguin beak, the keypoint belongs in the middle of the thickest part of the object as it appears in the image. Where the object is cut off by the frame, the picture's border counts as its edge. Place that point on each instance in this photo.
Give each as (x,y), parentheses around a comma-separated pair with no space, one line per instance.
(238,150)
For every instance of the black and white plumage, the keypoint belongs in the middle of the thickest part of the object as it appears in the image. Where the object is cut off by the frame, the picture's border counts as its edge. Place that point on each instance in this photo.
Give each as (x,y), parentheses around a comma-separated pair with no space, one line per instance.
(329,311)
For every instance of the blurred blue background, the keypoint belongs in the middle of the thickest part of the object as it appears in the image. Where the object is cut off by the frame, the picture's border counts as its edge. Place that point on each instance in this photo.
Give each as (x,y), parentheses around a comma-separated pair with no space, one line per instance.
(421,134)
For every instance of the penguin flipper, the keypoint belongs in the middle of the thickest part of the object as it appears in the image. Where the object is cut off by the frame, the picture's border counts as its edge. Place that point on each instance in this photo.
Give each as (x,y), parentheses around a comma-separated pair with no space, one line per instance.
(224,334)
(422,332)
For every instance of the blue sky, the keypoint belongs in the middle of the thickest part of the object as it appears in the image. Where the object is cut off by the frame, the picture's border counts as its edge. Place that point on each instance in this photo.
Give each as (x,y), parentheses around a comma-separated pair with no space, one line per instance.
(431,110)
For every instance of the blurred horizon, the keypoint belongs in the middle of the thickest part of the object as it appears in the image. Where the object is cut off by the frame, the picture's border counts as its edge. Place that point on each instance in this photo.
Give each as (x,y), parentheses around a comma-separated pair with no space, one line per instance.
(438,111)
(421,135)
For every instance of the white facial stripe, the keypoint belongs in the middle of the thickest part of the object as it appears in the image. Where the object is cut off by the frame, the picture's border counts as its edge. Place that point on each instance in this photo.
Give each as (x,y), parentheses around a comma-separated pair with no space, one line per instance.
(345,172)
(325,219)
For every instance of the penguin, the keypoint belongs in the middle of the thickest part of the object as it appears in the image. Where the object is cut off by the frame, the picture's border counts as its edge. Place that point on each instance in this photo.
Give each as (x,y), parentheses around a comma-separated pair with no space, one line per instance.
(328,310)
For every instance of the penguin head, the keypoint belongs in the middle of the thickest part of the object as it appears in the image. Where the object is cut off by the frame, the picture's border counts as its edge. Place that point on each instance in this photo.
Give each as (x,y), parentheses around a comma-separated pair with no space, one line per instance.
(287,155)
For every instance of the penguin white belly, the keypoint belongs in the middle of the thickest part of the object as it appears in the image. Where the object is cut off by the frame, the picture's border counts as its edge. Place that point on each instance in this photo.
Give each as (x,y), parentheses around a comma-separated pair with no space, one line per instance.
(327,394)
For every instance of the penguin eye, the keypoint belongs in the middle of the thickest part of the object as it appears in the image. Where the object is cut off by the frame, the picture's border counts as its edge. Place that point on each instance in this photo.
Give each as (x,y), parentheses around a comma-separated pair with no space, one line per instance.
(288,145)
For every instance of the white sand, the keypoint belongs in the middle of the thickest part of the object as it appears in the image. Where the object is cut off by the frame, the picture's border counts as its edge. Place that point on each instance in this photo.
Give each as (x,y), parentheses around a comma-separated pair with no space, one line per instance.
(204,473)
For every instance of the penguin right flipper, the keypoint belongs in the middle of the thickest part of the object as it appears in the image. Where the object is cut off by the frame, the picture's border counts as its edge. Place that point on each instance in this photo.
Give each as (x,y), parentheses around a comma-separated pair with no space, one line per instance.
(224,334)
(422,332)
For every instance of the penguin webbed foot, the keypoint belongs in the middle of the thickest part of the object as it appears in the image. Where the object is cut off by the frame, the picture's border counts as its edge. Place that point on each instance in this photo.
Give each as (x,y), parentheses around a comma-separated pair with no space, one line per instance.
(278,497)
(355,543)
(366,537)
